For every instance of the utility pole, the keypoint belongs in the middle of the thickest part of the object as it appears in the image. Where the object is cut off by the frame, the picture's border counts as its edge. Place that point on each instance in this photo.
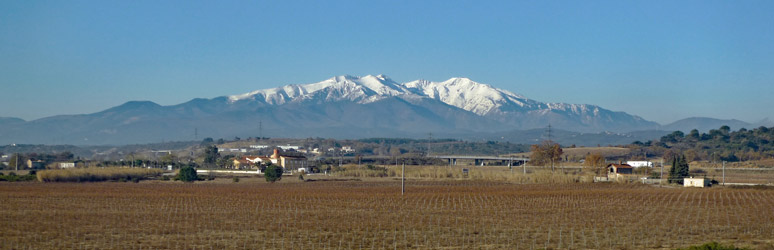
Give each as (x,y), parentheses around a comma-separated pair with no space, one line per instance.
(403,179)
(549,132)
(661,179)
(196,134)
(524,166)
(724,173)
(552,147)
(17,162)
(260,129)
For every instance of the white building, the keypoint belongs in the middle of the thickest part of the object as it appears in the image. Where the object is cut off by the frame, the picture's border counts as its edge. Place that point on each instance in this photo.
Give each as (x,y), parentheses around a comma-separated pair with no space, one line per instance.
(258,146)
(639,164)
(696,182)
(288,147)
(66,164)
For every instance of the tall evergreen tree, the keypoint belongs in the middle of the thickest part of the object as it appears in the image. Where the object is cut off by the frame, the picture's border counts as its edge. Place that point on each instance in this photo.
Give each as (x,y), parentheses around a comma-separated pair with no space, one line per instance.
(211,155)
(683,171)
(673,170)
(679,170)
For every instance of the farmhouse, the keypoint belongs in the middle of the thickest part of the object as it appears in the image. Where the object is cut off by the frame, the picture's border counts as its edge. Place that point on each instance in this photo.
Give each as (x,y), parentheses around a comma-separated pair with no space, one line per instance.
(35,164)
(258,159)
(696,182)
(240,163)
(619,169)
(250,161)
(289,162)
(66,164)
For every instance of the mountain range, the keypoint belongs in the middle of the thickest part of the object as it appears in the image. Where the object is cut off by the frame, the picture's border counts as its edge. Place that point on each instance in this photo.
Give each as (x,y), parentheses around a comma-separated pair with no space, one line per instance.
(339,107)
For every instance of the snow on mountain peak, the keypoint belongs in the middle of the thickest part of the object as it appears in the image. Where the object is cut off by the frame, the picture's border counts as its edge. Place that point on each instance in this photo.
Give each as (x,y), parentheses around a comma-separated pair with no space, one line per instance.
(360,89)
(460,92)
(466,94)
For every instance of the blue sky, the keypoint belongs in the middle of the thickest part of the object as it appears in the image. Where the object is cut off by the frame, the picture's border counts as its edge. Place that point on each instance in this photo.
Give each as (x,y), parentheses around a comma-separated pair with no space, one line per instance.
(662,60)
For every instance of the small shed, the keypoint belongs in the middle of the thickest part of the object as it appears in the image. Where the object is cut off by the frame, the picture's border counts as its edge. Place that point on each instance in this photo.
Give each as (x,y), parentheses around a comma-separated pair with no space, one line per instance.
(696,182)
(619,169)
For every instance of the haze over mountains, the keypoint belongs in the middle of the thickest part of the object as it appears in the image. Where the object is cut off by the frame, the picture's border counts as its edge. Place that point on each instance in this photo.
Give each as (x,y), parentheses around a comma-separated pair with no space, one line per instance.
(339,107)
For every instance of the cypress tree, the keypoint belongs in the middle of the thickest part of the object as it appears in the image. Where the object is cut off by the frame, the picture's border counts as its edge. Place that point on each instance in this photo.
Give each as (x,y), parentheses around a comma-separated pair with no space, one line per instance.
(684,170)
(673,170)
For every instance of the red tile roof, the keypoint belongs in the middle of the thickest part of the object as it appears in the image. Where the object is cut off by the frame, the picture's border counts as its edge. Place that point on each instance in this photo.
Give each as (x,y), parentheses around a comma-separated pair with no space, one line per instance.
(620,165)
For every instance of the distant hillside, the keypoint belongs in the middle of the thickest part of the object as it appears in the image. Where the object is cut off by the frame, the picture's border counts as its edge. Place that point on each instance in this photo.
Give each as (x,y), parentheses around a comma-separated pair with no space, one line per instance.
(704,124)
(567,138)
(10,120)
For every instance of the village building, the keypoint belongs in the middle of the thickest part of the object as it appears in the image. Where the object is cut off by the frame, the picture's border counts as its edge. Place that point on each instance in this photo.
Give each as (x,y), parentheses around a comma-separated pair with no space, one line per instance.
(640,164)
(619,169)
(241,163)
(35,164)
(65,164)
(696,182)
(250,161)
(290,163)
(288,147)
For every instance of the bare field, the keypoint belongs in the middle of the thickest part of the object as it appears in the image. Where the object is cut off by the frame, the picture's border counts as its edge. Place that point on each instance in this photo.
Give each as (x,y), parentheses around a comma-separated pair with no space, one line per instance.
(373,215)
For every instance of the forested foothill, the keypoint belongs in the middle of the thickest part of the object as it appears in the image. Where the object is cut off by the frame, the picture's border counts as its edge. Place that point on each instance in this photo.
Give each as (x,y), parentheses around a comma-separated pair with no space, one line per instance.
(715,146)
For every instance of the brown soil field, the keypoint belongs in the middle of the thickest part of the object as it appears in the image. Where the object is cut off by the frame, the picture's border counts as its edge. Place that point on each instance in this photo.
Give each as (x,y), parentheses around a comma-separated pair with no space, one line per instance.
(374,215)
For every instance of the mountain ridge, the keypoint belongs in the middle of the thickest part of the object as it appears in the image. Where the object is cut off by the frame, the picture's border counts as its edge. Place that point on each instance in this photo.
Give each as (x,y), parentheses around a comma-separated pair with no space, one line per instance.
(338,107)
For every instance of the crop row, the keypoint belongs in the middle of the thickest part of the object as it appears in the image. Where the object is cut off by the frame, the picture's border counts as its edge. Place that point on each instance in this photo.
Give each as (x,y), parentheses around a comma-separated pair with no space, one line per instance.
(373,215)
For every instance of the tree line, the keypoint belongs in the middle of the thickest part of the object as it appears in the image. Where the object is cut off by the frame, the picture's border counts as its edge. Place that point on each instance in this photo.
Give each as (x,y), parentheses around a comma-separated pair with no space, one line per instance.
(716,145)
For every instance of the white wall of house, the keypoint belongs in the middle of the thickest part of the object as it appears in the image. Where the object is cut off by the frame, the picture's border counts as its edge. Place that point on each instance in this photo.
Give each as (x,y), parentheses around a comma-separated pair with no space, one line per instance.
(695,182)
(66,165)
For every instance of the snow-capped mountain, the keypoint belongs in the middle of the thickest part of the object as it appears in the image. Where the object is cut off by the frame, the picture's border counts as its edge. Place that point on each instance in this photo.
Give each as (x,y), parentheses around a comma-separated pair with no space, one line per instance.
(342,106)
(361,90)
(478,98)
(481,99)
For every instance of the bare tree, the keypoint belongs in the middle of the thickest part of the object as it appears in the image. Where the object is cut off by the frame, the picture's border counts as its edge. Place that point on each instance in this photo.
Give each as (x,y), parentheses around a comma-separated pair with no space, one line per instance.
(545,154)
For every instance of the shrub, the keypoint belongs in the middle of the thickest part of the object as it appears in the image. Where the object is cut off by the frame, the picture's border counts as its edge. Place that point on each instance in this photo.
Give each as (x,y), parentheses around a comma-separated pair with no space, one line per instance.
(96,174)
(273,173)
(13,178)
(187,174)
(712,246)
(236,179)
